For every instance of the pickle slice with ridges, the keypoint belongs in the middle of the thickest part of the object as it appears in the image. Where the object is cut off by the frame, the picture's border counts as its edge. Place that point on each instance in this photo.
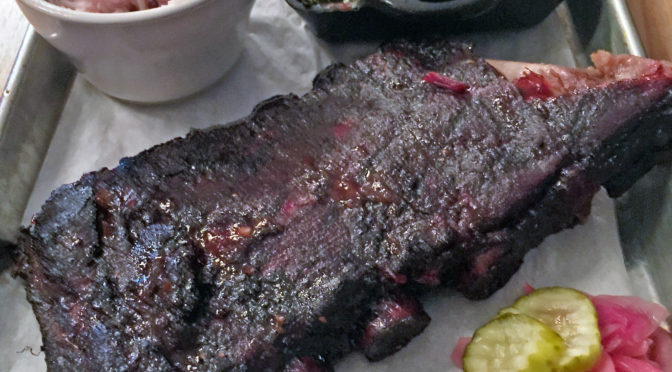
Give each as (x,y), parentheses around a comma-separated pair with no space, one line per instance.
(570,314)
(514,343)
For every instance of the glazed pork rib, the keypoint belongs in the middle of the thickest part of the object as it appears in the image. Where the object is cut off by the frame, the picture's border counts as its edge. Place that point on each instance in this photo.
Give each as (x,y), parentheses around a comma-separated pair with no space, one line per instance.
(305,230)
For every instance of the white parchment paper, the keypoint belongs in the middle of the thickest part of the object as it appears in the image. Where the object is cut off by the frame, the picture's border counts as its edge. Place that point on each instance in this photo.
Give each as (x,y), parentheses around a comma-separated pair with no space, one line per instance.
(282,56)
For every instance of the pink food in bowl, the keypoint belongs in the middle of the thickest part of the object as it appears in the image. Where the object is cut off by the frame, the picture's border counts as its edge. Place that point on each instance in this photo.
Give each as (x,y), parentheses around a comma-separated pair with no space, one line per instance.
(110,6)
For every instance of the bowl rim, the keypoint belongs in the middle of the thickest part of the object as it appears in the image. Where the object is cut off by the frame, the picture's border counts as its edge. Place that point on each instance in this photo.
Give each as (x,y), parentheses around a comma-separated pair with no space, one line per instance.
(72,15)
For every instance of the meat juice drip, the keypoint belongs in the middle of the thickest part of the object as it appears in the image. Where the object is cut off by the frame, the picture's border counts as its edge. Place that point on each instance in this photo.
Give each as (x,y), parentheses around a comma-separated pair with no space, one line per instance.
(533,85)
(396,320)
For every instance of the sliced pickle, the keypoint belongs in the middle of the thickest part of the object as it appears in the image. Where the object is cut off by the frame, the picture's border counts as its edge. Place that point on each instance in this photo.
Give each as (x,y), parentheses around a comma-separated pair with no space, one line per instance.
(570,314)
(514,343)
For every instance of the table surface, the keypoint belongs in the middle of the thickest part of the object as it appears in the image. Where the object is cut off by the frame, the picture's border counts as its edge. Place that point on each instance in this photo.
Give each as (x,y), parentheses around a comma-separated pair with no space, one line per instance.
(13,26)
(653,19)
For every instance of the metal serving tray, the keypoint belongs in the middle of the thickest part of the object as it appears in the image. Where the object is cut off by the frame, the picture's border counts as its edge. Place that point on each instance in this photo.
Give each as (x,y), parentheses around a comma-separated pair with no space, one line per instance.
(45,93)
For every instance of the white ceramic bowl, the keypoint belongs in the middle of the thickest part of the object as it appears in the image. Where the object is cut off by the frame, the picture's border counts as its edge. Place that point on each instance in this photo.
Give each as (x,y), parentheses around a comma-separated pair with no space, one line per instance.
(153,55)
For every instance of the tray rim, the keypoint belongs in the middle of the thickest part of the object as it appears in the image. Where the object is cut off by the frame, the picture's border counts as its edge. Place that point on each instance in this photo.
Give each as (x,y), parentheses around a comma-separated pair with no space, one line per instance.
(28,118)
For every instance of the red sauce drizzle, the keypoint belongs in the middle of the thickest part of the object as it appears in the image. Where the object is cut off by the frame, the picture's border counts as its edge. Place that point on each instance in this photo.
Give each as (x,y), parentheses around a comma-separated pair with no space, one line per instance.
(443,81)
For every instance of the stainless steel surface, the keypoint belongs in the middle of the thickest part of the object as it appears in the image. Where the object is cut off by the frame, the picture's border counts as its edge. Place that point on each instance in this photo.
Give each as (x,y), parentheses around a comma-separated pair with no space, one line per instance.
(645,212)
(581,59)
(31,105)
(624,30)
(39,90)
(645,229)
(13,26)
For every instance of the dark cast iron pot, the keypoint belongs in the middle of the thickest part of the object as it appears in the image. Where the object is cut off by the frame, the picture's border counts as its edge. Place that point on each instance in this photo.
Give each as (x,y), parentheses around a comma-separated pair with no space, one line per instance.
(384,19)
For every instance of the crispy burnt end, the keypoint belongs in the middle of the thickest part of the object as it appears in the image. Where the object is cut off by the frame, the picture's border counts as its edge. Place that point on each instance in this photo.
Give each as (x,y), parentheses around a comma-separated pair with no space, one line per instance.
(307,364)
(396,320)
